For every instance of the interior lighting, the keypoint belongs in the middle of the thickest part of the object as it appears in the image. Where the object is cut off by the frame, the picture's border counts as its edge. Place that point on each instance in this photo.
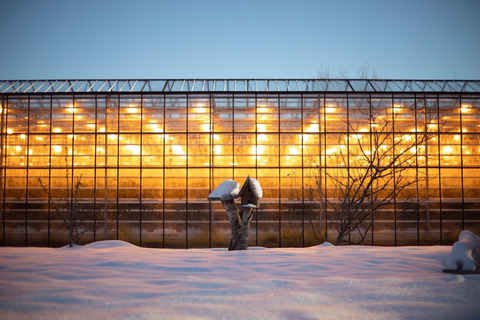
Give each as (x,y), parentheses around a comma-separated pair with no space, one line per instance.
(9,131)
(134,149)
(91,125)
(261,127)
(263,110)
(465,108)
(112,136)
(456,137)
(262,137)
(178,150)
(406,137)
(257,149)
(397,108)
(293,151)
(200,110)
(101,129)
(57,130)
(132,110)
(38,138)
(22,136)
(447,150)
(314,127)
(217,149)
(57,148)
(18,148)
(330,110)
(331,151)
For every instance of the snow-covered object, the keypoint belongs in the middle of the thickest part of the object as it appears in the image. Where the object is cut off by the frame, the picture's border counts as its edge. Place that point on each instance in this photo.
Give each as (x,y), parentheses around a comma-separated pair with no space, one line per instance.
(256,188)
(465,254)
(228,189)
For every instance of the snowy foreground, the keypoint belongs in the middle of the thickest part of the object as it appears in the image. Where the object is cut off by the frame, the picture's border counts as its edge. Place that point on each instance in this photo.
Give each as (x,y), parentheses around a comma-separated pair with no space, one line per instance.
(113,279)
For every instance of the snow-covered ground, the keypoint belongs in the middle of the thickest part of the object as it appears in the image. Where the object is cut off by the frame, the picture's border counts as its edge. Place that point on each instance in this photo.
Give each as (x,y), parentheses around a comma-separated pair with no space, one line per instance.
(113,279)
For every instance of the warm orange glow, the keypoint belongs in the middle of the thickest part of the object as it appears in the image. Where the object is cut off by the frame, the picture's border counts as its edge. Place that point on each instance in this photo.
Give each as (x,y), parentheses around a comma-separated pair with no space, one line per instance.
(447,149)
(465,108)
(397,108)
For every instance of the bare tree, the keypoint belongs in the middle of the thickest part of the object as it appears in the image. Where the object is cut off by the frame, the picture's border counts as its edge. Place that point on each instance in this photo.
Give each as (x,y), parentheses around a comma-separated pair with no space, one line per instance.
(368,169)
(73,214)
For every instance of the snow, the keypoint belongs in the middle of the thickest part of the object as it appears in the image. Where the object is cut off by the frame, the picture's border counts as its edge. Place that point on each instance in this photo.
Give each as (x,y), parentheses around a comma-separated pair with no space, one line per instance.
(117,280)
(466,252)
(256,188)
(226,189)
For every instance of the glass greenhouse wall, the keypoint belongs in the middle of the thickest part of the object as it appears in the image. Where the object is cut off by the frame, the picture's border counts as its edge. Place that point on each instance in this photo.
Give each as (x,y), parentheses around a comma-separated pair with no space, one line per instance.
(140,165)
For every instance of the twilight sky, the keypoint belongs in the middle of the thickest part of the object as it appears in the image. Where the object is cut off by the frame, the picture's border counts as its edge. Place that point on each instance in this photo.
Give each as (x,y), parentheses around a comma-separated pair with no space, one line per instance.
(88,39)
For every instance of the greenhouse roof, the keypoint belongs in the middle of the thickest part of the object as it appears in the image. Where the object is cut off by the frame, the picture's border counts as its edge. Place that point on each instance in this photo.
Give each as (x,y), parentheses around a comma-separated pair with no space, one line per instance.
(237,85)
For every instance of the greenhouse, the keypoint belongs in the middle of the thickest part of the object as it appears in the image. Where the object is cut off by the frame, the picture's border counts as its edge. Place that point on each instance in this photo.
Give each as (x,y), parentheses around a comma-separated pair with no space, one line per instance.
(137,159)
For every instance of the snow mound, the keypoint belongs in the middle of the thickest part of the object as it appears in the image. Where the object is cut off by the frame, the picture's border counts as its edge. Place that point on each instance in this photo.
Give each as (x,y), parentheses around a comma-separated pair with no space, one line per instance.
(326,244)
(107,244)
(465,254)
(227,189)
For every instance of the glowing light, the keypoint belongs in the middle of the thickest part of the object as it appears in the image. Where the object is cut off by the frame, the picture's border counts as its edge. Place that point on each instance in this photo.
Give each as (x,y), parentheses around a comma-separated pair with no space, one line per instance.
(57,148)
(134,149)
(363,130)
(38,138)
(293,151)
(397,108)
(456,137)
(465,108)
(200,110)
(70,108)
(132,110)
(155,127)
(91,125)
(18,148)
(178,150)
(447,149)
(314,127)
(261,127)
(263,110)
(331,151)
(57,130)
(406,137)
(330,110)
(217,149)
(101,130)
(22,136)
(112,136)
(262,137)
(9,131)
(356,136)
(257,149)
(206,127)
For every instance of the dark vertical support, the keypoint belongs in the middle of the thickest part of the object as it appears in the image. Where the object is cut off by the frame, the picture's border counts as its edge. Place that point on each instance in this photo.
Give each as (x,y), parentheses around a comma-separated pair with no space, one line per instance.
(118,163)
(211,167)
(461,163)
(141,167)
(371,147)
(279,176)
(394,173)
(348,151)
(186,172)
(163,175)
(439,173)
(50,169)
(325,193)
(303,171)
(5,133)
(27,165)
(417,211)
(95,174)
(2,166)
(256,165)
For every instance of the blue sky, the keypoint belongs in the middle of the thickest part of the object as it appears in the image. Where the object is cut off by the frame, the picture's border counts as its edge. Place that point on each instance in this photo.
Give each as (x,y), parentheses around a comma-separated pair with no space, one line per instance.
(429,39)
